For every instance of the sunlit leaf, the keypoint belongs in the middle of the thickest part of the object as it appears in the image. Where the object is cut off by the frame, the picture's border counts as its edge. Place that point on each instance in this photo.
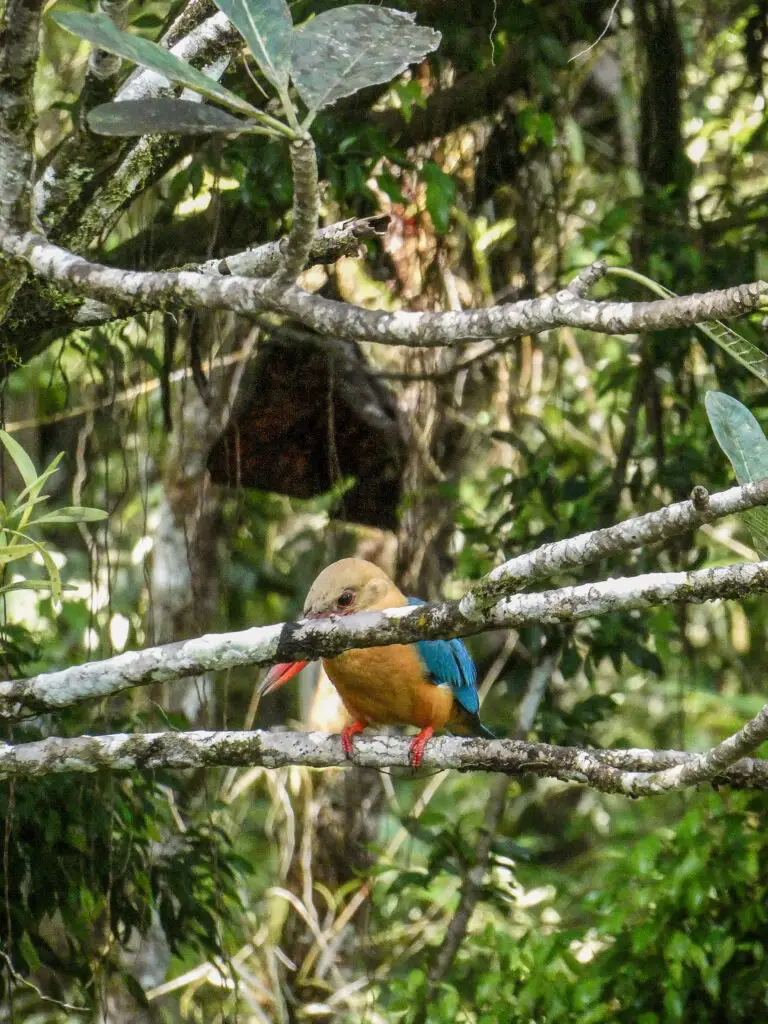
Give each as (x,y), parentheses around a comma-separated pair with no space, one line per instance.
(162,114)
(99,30)
(53,573)
(346,49)
(32,493)
(11,552)
(72,514)
(24,464)
(740,436)
(267,28)
(32,585)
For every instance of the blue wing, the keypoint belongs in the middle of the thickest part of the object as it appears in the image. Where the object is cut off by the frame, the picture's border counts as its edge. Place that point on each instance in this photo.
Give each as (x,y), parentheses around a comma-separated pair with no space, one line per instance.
(449,663)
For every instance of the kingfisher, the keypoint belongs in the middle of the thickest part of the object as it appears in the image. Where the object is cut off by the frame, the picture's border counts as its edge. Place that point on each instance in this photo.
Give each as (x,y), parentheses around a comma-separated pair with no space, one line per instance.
(431,684)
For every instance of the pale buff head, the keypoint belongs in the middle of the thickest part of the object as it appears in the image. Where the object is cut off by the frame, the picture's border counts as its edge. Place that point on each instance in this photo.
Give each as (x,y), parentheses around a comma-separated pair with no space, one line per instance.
(350,585)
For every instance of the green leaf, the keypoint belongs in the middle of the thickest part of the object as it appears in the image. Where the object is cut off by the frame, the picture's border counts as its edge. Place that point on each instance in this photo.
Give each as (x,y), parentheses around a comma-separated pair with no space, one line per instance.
(53,573)
(24,464)
(35,487)
(73,514)
(32,585)
(99,30)
(267,28)
(441,195)
(32,493)
(11,552)
(162,114)
(740,436)
(344,50)
(29,952)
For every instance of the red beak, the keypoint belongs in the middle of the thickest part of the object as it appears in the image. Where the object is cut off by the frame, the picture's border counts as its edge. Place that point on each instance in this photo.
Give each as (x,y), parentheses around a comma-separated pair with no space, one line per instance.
(280,674)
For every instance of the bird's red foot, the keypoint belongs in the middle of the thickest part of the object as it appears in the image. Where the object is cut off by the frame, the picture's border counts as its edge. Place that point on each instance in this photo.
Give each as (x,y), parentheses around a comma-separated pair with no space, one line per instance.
(418,745)
(348,733)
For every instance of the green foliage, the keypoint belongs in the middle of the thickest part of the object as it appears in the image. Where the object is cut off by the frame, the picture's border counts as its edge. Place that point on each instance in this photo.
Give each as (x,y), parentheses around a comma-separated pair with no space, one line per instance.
(740,436)
(89,861)
(350,48)
(684,944)
(331,56)
(441,194)
(101,31)
(565,432)
(16,520)
(267,28)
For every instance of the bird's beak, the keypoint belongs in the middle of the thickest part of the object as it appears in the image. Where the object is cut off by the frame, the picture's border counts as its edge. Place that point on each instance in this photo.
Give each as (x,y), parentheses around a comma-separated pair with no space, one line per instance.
(280,674)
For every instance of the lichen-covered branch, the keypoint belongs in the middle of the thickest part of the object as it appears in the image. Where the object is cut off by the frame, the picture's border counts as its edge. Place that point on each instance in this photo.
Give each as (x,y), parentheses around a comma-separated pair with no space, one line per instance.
(701,767)
(328,245)
(152,290)
(19,42)
(640,531)
(180,750)
(311,639)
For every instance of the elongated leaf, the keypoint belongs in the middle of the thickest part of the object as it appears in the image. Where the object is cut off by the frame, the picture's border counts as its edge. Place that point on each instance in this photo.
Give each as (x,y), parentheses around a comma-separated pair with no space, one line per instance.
(750,356)
(32,491)
(10,554)
(738,347)
(347,49)
(73,514)
(174,117)
(740,436)
(267,28)
(103,33)
(53,573)
(24,464)
(32,585)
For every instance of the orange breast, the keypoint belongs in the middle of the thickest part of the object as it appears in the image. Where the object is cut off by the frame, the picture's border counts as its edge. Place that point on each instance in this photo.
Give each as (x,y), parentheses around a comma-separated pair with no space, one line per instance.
(386,685)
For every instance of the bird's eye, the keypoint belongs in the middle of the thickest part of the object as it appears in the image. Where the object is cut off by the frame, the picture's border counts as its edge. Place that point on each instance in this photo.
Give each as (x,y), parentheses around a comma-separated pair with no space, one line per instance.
(346,597)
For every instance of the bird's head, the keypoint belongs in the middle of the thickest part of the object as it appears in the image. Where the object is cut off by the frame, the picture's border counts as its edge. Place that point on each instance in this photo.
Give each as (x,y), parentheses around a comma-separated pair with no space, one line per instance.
(349,585)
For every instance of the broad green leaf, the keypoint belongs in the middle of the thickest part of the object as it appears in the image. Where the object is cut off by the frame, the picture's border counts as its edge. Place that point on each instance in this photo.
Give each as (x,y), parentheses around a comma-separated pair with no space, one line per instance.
(740,436)
(73,514)
(346,49)
(267,28)
(99,30)
(24,464)
(174,117)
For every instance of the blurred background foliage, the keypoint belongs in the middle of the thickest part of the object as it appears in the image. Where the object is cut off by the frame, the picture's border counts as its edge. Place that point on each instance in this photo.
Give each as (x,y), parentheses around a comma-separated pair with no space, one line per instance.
(511,159)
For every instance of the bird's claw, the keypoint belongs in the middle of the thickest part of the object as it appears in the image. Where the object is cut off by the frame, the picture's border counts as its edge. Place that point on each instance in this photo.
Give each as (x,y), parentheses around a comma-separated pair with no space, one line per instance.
(348,733)
(416,749)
